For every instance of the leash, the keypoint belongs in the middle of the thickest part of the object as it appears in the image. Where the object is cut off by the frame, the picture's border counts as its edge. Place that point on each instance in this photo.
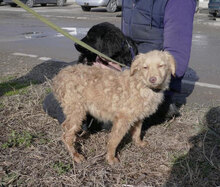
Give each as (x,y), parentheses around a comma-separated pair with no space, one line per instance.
(58,29)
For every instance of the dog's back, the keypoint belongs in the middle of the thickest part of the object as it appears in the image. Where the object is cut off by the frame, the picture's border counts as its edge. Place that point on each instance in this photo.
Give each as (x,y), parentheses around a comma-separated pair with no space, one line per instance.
(102,93)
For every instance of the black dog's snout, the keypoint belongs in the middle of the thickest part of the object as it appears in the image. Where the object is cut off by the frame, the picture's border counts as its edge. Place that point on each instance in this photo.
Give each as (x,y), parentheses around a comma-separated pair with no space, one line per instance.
(78,47)
(153,79)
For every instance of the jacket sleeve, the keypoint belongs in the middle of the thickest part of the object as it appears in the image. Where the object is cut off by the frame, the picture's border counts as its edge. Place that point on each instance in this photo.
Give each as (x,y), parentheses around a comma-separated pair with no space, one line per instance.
(178,27)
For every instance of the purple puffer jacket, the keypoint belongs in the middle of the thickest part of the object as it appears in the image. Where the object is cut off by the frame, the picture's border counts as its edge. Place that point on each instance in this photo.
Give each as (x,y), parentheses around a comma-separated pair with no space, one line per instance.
(177,30)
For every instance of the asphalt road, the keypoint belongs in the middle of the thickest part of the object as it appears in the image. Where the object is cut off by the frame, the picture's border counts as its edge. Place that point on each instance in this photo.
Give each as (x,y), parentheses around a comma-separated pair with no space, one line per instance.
(23,35)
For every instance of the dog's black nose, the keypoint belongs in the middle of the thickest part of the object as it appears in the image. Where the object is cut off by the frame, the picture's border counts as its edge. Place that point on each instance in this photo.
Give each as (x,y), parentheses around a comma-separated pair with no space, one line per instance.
(153,79)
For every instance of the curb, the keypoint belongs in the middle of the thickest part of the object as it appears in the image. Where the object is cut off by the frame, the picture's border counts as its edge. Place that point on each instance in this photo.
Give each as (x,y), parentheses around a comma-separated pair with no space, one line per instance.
(204,18)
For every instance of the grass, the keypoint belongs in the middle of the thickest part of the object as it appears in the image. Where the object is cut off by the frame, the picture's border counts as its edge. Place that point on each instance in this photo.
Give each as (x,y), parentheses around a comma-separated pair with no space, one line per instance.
(19,139)
(176,158)
(1,106)
(183,153)
(48,90)
(8,179)
(24,139)
(7,78)
(62,168)
(14,88)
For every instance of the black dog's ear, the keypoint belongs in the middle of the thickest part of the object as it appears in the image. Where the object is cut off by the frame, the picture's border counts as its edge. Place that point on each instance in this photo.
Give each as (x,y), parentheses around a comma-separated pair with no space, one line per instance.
(128,52)
(111,44)
(98,44)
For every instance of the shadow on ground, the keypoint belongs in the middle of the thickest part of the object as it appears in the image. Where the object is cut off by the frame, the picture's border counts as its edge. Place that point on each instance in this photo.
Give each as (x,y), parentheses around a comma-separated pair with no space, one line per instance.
(179,99)
(201,165)
(38,75)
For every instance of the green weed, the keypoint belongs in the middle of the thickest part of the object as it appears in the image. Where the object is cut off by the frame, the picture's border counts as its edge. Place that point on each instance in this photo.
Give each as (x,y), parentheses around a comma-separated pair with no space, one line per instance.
(177,158)
(48,90)
(16,140)
(61,167)
(41,139)
(25,139)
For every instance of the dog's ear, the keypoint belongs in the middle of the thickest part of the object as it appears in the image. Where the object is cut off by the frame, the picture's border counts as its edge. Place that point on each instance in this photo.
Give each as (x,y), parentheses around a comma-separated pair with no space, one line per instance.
(135,64)
(171,61)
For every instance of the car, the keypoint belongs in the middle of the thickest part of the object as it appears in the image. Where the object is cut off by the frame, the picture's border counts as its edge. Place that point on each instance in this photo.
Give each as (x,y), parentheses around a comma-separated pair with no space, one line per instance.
(31,3)
(214,7)
(111,5)
(197,5)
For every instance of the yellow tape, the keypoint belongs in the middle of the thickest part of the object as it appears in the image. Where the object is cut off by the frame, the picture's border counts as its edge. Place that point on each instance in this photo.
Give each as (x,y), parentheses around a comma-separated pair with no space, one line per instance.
(58,29)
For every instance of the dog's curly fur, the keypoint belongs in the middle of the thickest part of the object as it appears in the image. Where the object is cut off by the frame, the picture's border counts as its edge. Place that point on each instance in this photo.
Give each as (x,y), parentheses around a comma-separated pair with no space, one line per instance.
(124,98)
(109,40)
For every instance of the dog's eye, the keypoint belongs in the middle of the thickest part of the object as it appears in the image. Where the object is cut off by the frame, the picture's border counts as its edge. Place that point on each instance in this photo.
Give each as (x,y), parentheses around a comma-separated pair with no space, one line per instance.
(161,65)
(146,67)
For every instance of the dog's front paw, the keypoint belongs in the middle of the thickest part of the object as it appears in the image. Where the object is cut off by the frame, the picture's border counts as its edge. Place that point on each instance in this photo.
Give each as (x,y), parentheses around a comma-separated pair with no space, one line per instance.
(141,143)
(78,158)
(112,160)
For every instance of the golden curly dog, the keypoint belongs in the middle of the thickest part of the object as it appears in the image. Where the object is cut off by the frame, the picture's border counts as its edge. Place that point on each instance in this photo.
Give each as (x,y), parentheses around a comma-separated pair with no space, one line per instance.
(124,98)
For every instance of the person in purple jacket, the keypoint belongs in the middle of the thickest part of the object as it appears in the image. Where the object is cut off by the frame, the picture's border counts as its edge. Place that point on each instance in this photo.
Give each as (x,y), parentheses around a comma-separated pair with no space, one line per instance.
(162,25)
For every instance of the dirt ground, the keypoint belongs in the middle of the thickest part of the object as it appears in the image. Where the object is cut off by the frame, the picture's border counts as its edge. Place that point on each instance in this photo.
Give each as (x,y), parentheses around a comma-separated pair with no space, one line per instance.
(182,152)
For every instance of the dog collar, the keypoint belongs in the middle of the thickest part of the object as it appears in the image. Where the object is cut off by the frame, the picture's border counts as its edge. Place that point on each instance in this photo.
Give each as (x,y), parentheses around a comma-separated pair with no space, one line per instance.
(131,49)
(157,90)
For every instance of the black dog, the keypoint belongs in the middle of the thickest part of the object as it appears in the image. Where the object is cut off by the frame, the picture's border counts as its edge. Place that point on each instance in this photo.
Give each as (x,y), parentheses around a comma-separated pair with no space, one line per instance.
(109,40)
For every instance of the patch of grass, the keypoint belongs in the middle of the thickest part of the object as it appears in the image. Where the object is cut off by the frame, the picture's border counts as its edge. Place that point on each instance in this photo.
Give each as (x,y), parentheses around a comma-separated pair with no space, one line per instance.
(2,106)
(206,168)
(15,92)
(48,90)
(41,139)
(61,168)
(19,139)
(8,179)
(7,78)
(177,158)
(14,88)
